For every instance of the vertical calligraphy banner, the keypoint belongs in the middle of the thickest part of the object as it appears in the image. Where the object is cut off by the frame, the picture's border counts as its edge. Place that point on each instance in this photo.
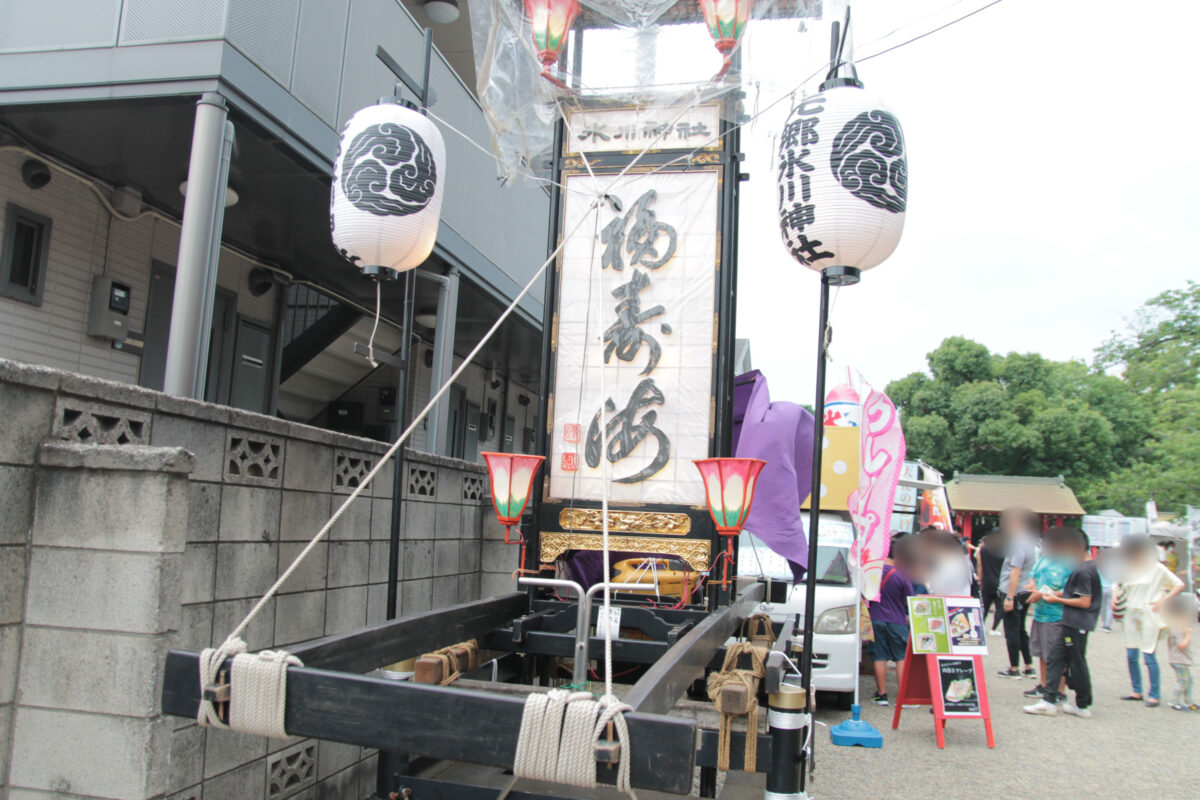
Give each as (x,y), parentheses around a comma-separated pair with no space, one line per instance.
(637,290)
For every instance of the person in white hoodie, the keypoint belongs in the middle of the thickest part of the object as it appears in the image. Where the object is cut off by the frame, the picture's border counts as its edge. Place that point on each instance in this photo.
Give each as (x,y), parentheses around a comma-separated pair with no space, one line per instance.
(1147,585)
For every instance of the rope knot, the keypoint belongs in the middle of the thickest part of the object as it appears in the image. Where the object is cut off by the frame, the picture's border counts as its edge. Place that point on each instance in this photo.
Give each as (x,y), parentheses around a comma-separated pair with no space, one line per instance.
(257,688)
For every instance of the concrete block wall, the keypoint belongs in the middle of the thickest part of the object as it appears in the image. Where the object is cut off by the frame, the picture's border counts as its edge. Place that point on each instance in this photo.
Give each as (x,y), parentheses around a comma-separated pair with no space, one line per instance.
(258,490)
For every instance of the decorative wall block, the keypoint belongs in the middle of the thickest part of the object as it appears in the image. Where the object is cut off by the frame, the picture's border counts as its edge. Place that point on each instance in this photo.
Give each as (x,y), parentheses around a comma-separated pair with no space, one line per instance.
(254,459)
(422,481)
(472,488)
(88,422)
(291,770)
(350,470)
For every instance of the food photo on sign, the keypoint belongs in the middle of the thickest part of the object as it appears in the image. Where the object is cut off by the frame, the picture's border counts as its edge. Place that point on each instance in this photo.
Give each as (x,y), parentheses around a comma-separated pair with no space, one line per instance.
(959,691)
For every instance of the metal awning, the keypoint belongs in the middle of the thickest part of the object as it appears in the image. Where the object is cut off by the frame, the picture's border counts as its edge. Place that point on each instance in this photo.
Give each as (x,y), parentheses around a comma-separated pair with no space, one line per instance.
(991,494)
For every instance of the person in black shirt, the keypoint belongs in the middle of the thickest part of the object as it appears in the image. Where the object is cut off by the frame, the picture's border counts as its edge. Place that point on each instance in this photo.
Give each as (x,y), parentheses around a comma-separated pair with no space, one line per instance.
(1080,598)
(989,557)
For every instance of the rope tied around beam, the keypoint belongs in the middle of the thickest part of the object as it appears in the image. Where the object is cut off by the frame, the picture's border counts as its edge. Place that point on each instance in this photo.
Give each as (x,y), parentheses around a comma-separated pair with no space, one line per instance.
(258,705)
(452,658)
(558,731)
(731,675)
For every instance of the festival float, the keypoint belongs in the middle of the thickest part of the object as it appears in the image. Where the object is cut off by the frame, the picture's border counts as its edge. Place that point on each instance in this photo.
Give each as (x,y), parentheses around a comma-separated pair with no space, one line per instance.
(628,652)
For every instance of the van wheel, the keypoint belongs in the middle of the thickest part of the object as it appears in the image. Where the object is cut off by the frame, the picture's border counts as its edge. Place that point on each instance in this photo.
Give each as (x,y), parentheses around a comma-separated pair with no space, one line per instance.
(839,700)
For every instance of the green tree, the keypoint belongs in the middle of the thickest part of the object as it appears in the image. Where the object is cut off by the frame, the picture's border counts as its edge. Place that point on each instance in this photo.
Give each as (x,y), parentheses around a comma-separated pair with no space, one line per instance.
(1161,348)
(1019,414)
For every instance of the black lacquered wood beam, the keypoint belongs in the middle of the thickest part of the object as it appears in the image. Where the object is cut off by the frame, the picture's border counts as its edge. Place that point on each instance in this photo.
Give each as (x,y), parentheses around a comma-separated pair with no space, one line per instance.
(379,645)
(436,721)
(709,740)
(666,681)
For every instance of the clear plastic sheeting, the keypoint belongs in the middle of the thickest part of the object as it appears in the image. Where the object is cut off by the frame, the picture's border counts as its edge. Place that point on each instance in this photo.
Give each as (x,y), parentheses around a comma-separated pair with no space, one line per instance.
(633,54)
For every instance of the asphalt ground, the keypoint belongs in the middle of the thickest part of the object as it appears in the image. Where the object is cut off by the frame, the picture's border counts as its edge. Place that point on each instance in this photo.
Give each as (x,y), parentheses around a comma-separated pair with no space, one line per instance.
(1124,751)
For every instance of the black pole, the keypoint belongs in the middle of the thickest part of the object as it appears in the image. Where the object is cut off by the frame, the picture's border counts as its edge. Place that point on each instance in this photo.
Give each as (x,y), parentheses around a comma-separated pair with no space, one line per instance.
(830,276)
(406,319)
(410,287)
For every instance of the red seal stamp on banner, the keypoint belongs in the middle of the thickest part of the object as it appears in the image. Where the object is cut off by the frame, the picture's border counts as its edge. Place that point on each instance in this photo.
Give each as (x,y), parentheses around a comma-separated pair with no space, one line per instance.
(570,462)
(571,432)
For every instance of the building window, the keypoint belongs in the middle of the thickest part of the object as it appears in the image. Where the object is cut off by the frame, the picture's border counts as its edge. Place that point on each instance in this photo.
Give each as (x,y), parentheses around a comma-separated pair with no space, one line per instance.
(23,257)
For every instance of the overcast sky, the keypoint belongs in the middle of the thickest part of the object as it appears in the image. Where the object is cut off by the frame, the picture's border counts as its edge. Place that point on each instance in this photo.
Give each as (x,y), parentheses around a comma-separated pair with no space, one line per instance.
(1054,185)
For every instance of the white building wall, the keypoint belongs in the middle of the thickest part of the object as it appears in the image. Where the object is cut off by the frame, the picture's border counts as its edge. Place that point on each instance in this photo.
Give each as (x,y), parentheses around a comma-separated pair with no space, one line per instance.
(86,241)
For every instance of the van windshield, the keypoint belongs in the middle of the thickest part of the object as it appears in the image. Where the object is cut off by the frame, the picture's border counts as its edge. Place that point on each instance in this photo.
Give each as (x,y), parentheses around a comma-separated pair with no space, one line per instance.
(833,565)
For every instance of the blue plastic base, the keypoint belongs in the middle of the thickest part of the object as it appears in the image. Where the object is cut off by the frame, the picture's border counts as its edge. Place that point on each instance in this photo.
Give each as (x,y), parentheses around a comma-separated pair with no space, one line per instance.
(855,733)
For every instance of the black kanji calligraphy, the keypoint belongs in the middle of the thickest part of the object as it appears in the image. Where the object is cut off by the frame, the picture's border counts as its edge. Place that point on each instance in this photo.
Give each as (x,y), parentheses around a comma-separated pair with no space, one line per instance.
(639,235)
(625,432)
(625,337)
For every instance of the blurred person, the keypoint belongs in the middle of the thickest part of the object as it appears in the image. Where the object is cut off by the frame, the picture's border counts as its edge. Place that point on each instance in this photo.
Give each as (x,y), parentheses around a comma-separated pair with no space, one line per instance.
(1180,612)
(1080,599)
(889,614)
(1105,565)
(1145,585)
(1019,526)
(949,565)
(1170,557)
(1047,578)
(989,558)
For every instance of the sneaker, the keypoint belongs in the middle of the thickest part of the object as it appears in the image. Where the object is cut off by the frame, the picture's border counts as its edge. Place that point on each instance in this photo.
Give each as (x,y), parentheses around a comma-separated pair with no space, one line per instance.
(1036,691)
(1042,708)
(1076,711)
(1029,672)
(880,699)
(1009,673)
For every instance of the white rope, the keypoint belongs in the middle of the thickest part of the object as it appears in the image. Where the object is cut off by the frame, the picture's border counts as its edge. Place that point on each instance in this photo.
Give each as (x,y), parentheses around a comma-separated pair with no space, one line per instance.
(258,706)
(375,327)
(559,729)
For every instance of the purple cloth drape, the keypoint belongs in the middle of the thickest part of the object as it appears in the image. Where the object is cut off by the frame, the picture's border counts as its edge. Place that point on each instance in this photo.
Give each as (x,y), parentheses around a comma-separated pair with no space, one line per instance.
(781,434)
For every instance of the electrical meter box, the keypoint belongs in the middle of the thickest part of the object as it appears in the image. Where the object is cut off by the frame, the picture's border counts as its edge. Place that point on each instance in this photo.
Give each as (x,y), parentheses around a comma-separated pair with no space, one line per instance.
(108,310)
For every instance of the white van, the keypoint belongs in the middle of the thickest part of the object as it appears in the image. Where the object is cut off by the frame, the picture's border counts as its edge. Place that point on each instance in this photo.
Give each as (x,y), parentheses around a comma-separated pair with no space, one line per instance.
(834,660)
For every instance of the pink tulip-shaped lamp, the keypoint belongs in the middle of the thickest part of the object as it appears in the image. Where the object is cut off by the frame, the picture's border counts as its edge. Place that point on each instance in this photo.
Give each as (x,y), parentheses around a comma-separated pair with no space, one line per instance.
(511,477)
(729,488)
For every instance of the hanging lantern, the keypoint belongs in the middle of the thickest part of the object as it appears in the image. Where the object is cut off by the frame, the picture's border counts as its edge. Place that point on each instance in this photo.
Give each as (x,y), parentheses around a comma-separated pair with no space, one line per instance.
(726,20)
(387,189)
(549,22)
(511,476)
(843,180)
(729,488)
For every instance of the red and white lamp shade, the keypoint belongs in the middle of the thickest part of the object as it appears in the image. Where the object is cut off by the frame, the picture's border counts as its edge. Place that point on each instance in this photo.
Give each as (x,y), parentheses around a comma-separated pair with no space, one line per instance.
(511,477)
(549,23)
(729,489)
(726,21)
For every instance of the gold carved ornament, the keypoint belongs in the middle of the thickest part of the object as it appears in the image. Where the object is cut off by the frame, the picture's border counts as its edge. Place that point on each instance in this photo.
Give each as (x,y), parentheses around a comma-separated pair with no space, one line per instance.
(663,523)
(696,552)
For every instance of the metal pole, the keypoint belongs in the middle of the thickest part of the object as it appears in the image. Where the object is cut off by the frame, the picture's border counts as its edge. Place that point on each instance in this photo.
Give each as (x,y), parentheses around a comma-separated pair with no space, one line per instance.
(410,286)
(199,249)
(840,276)
(443,362)
(787,723)
(406,315)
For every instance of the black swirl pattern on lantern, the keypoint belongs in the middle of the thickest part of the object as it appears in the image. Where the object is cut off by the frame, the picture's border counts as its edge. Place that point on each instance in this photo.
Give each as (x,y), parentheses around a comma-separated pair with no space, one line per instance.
(389,170)
(868,160)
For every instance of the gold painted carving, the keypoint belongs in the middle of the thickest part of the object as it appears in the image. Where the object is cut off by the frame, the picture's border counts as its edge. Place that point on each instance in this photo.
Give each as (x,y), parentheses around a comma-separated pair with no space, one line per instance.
(695,552)
(591,519)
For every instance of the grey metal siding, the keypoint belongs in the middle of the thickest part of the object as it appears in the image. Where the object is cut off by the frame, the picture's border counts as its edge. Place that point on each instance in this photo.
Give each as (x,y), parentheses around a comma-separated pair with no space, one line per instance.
(58,25)
(157,21)
(265,31)
(320,45)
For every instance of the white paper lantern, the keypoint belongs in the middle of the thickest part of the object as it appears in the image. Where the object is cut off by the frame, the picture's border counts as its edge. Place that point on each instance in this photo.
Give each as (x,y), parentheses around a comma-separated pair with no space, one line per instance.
(387,188)
(843,179)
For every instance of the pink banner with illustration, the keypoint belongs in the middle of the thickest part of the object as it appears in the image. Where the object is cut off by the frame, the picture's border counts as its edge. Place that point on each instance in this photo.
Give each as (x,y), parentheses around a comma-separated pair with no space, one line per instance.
(881,444)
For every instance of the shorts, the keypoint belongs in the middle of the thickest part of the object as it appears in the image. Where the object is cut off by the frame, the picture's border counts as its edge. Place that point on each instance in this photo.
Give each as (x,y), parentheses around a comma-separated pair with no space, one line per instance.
(891,641)
(1043,636)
